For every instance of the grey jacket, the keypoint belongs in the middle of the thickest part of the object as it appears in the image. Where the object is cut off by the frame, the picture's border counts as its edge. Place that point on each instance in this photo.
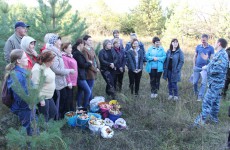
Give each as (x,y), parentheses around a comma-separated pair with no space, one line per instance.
(58,68)
(14,42)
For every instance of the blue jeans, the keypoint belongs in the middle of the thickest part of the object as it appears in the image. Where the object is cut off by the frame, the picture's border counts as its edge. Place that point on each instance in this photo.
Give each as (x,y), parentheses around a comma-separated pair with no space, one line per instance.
(26,117)
(196,77)
(83,87)
(172,86)
(91,84)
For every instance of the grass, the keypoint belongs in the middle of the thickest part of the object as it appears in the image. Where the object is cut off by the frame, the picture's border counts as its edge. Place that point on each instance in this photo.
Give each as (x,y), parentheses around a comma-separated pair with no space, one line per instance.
(152,124)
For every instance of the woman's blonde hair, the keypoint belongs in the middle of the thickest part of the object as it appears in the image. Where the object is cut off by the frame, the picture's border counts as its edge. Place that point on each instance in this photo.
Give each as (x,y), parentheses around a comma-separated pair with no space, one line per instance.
(14,56)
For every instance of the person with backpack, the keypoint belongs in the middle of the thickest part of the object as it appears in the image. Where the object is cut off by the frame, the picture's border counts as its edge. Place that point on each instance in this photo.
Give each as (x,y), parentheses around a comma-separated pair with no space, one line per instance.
(18,64)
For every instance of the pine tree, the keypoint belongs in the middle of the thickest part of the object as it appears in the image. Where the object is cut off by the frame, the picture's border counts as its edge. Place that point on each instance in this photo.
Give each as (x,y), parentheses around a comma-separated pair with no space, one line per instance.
(46,135)
(6,30)
(54,16)
(149,19)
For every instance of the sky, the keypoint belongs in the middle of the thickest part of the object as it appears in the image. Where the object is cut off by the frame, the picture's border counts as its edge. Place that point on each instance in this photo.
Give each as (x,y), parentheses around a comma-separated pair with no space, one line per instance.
(122,5)
(115,5)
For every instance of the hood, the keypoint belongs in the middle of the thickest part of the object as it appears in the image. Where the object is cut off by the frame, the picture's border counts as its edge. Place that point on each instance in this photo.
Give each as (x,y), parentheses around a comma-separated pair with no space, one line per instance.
(25,42)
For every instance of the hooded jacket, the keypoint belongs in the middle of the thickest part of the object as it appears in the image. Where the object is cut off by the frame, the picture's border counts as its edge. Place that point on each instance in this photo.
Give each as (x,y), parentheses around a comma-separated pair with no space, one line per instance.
(25,43)
(58,67)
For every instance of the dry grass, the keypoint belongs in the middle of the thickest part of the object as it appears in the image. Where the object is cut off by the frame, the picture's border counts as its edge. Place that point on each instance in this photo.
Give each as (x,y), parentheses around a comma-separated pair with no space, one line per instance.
(153,124)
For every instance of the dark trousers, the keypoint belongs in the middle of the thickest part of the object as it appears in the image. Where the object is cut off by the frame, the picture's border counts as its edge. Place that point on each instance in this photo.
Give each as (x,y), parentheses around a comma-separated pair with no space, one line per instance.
(61,101)
(134,80)
(155,80)
(25,118)
(227,81)
(118,79)
(70,97)
(49,110)
(108,76)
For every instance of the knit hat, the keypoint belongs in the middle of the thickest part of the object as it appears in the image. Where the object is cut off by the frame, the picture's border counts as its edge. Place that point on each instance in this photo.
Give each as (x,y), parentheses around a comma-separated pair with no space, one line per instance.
(53,38)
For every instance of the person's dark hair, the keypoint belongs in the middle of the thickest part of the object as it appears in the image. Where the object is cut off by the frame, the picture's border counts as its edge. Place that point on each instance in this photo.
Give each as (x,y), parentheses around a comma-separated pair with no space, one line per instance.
(45,57)
(115,31)
(78,42)
(223,42)
(65,46)
(204,36)
(86,37)
(171,46)
(155,39)
(134,40)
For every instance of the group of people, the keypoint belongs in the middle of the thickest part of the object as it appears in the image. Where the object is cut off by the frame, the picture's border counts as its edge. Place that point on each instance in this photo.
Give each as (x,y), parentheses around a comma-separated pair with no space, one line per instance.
(66,66)
(114,57)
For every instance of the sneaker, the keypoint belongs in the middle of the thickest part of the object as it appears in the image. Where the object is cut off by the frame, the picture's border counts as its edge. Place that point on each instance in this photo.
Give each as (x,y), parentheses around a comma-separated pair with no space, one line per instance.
(170,97)
(152,95)
(155,95)
(175,98)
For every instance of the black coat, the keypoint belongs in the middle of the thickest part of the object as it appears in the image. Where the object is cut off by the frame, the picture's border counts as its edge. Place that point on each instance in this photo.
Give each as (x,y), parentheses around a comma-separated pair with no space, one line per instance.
(83,65)
(121,60)
(104,59)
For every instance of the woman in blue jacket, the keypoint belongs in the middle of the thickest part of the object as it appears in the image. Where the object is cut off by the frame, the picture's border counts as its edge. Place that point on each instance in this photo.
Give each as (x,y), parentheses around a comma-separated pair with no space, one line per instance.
(172,68)
(18,65)
(155,57)
(135,59)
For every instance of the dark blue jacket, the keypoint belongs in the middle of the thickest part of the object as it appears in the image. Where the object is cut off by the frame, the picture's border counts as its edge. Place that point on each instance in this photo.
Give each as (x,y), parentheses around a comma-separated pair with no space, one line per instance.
(121,60)
(103,58)
(177,63)
(19,104)
(131,63)
(141,46)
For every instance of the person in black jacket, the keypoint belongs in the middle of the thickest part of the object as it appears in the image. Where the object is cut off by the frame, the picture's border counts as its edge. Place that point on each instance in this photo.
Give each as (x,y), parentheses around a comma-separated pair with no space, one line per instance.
(108,59)
(120,65)
(83,66)
(135,59)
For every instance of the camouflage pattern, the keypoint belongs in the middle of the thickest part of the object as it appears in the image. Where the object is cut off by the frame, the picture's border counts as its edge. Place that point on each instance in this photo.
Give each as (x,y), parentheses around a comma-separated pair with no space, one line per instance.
(216,73)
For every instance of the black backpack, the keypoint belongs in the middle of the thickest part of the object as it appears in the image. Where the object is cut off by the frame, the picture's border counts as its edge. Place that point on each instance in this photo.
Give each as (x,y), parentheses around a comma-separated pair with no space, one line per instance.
(7,97)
